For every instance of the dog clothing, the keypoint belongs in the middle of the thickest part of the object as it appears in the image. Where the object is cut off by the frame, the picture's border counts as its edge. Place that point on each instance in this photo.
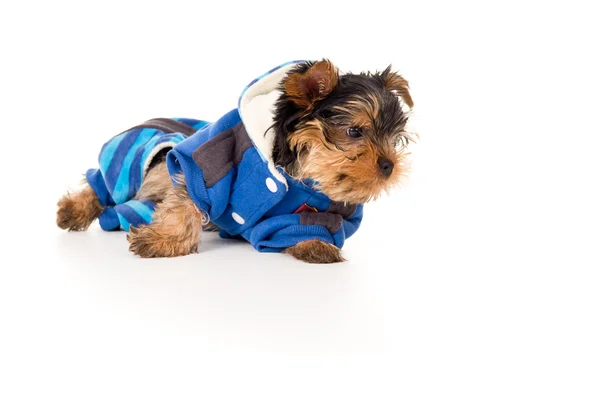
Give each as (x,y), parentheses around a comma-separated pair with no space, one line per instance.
(229,175)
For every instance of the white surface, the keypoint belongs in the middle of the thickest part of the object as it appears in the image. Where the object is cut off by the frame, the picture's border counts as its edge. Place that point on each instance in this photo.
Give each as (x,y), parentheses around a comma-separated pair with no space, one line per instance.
(478,279)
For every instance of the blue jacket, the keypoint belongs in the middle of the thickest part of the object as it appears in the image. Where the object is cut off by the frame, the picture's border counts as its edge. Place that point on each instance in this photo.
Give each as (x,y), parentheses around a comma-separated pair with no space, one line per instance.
(228,173)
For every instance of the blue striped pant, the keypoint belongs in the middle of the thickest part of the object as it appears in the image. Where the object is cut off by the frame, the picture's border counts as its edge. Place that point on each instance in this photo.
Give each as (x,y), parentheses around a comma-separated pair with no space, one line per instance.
(123,163)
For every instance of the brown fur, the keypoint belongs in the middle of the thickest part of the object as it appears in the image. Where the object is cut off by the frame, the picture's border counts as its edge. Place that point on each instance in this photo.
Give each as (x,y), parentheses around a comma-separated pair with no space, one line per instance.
(175,229)
(316,83)
(77,211)
(316,251)
(156,185)
(319,147)
(396,83)
(347,172)
(361,113)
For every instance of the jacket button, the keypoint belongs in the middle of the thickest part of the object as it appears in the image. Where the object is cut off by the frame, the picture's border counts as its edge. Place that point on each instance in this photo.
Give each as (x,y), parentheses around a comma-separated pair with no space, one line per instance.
(237,218)
(271,185)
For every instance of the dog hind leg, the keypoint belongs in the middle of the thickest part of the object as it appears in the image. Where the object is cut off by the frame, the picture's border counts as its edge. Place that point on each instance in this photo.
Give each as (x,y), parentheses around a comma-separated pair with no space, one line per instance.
(175,228)
(77,210)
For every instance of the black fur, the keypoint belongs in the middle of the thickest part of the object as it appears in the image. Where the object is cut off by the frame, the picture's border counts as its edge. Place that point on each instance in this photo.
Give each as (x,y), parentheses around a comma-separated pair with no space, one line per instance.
(388,123)
(286,119)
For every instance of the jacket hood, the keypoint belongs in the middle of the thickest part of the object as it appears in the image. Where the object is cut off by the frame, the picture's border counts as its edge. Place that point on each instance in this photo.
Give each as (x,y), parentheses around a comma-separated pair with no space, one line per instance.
(256,106)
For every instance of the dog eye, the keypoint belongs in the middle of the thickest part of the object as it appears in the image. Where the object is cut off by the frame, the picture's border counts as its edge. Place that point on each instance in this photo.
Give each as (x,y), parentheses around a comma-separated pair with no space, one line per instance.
(354,132)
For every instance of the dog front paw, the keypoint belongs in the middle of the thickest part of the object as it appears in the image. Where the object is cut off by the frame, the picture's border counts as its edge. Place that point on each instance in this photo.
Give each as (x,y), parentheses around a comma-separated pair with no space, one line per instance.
(146,241)
(316,251)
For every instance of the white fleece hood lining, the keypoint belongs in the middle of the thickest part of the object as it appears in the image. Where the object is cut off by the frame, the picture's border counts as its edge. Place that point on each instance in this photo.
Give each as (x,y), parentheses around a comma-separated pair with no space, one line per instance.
(256,108)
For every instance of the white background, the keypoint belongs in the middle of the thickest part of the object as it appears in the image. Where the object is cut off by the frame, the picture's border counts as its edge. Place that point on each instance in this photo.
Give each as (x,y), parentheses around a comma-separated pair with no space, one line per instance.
(479,278)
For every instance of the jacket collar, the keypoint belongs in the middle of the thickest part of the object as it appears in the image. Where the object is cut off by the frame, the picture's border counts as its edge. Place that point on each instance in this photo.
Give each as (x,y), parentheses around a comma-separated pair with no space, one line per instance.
(256,106)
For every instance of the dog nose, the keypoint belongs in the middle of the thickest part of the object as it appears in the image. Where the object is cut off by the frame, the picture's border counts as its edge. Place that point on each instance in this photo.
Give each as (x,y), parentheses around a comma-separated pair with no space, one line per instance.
(386,167)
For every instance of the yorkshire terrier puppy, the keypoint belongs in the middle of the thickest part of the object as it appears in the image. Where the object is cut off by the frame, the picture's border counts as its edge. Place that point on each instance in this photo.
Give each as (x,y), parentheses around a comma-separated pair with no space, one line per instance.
(289,170)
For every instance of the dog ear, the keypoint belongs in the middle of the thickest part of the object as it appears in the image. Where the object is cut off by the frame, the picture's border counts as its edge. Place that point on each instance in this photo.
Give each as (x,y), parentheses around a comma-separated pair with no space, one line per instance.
(397,85)
(311,82)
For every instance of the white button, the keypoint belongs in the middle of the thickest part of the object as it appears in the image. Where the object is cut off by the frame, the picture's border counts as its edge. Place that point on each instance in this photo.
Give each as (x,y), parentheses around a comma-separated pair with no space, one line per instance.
(237,218)
(271,185)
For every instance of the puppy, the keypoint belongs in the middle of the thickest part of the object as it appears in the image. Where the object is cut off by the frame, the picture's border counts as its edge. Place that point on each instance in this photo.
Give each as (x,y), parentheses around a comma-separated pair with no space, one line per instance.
(288,170)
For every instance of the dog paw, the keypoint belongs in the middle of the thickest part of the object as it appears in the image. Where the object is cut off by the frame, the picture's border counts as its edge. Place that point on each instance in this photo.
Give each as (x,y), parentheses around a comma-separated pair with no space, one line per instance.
(146,241)
(73,214)
(316,251)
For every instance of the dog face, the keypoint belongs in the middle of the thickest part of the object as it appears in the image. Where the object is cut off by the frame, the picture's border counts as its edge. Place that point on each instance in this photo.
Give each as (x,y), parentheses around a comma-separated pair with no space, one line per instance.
(344,132)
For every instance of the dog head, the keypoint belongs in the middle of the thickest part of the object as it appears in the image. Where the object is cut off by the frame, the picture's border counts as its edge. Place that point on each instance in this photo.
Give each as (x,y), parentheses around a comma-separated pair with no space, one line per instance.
(345,132)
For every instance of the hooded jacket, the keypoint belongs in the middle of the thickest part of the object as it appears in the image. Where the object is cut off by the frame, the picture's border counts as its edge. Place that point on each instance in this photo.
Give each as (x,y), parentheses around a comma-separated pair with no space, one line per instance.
(229,175)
